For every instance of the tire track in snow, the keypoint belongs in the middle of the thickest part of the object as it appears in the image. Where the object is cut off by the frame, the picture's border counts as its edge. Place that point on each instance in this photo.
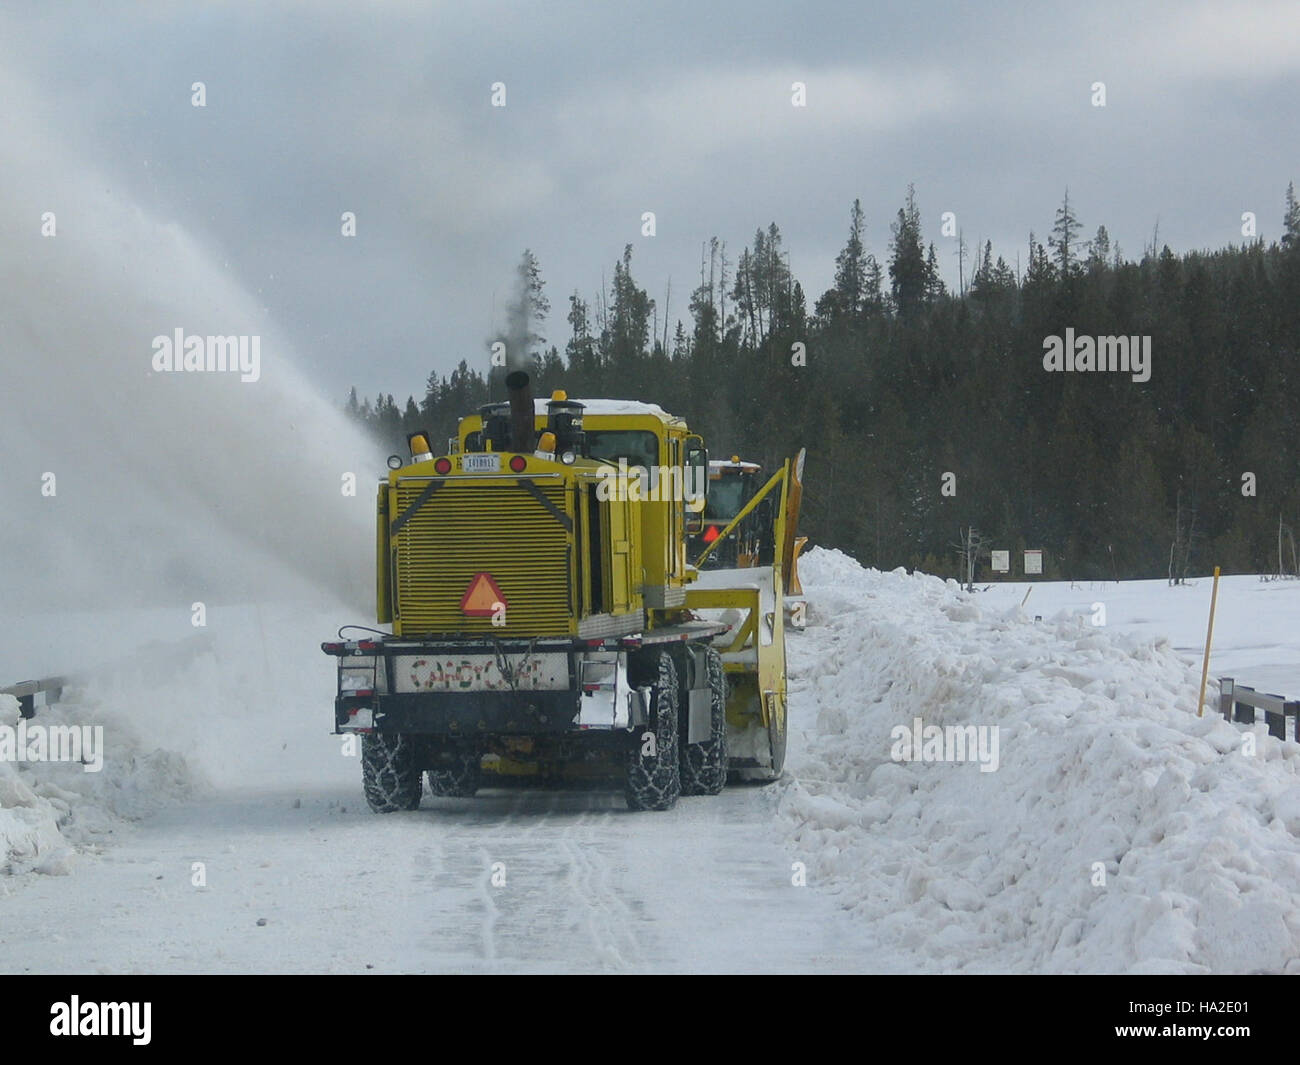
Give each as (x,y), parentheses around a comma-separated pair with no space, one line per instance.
(607,918)
(490,911)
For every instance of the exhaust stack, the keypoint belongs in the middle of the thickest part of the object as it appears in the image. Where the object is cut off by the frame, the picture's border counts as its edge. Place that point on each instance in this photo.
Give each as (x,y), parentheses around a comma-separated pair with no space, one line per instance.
(522,435)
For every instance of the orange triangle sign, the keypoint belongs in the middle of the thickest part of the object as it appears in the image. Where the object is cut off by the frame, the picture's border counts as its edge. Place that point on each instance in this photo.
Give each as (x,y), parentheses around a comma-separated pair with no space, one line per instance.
(482,597)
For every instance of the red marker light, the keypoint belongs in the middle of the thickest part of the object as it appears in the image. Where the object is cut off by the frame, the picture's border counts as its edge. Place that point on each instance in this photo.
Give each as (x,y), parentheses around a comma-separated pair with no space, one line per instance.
(710,534)
(518,463)
(442,466)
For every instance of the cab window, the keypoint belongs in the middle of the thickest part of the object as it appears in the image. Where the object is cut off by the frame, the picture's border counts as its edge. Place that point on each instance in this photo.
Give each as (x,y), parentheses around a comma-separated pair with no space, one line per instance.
(639,447)
(726,496)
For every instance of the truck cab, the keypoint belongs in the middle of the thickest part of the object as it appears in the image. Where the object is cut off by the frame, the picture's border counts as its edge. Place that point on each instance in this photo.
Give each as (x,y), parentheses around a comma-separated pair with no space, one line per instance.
(732,484)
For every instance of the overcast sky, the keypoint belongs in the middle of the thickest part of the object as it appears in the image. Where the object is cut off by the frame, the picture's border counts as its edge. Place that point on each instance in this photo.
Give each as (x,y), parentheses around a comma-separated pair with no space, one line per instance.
(612,109)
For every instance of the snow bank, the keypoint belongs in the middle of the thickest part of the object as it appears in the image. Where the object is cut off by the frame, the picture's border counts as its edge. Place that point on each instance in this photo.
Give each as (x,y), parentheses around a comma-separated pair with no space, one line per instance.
(52,811)
(245,703)
(1103,767)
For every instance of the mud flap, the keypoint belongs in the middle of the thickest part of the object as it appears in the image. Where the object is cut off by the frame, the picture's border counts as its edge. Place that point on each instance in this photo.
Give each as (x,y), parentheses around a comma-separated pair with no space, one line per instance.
(699,725)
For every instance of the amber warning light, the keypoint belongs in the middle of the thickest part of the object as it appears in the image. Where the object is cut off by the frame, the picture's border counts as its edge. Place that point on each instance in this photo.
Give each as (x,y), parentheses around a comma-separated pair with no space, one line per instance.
(419,445)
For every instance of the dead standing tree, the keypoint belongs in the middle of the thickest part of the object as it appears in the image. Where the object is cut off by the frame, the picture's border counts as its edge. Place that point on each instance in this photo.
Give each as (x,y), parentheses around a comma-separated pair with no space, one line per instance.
(970,551)
(1180,551)
(1285,549)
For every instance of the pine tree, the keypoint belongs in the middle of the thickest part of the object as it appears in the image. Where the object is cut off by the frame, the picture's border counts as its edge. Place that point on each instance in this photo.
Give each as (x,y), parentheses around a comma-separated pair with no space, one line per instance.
(625,338)
(703,307)
(1291,220)
(411,420)
(907,268)
(581,348)
(530,308)
(934,286)
(1041,269)
(1100,250)
(1062,238)
(432,396)
(851,269)
(681,344)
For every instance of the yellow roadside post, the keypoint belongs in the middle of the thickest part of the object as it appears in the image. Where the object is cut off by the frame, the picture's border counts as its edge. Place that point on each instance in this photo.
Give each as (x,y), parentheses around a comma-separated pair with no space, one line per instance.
(1209,635)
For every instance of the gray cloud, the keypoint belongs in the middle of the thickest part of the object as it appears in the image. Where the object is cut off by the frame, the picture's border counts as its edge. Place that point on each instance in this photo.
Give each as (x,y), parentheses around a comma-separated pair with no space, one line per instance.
(315,109)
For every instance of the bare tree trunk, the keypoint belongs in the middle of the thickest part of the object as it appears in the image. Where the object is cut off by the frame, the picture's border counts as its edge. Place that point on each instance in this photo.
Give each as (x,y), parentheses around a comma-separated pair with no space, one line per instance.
(722,294)
(667,296)
(1180,551)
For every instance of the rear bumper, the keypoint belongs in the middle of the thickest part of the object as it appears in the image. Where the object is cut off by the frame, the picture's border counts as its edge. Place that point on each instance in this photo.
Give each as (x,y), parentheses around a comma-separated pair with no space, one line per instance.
(461,714)
(467,688)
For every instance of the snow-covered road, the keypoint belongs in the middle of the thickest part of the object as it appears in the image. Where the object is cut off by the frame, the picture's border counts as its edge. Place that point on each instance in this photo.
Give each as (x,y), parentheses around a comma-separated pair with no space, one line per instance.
(1113,830)
(581,884)
(512,880)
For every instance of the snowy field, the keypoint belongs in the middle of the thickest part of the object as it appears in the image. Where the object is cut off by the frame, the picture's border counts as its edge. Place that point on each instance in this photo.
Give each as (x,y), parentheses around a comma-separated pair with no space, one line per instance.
(1118,833)
(1256,624)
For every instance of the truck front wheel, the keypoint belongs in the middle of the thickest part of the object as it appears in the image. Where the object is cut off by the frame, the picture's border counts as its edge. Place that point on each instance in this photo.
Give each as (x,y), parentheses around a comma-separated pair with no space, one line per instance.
(390,772)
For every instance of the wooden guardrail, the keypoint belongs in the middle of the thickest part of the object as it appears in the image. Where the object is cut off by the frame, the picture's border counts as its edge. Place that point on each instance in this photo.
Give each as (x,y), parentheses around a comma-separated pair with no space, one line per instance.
(1237,702)
(47,691)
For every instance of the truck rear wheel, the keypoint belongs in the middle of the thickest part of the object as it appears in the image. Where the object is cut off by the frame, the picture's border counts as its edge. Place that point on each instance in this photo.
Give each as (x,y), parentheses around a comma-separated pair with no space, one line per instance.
(455,774)
(653,768)
(390,772)
(704,764)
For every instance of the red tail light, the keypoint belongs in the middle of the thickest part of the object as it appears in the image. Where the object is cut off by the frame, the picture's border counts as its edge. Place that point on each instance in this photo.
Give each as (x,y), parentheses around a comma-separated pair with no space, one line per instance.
(711,534)
(518,464)
(442,466)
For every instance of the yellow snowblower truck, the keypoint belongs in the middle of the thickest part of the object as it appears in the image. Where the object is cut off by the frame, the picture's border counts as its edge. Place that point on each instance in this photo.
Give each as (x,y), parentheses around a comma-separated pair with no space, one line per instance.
(739,531)
(732,484)
(544,622)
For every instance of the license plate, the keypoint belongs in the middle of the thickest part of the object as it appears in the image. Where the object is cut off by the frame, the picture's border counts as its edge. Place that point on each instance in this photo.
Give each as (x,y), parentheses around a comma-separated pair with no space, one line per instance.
(487,463)
(459,673)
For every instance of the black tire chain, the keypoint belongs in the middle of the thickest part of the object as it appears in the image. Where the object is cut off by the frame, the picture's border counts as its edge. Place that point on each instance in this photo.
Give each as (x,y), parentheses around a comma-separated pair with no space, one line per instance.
(461,780)
(390,772)
(654,783)
(704,765)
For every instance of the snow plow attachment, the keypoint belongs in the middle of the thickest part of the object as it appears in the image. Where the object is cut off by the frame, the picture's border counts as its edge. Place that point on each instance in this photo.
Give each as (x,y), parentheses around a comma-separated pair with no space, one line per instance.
(752,601)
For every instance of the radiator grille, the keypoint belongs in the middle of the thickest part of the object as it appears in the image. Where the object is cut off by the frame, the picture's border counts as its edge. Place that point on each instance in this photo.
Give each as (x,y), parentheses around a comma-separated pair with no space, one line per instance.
(465,528)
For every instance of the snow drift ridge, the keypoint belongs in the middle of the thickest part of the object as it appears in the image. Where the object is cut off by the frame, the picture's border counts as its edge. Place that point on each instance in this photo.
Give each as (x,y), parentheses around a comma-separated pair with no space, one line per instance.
(1104,766)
